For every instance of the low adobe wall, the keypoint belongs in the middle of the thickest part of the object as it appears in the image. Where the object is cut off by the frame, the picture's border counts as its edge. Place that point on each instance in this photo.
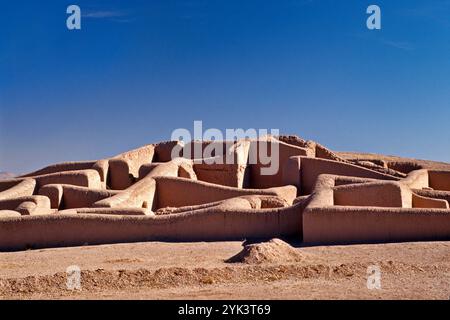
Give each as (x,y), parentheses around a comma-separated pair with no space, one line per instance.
(225,164)
(286,151)
(163,150)
(189,192)
(342,225)
(61,167)
(439,179)
(9,214)
(139,195)
(108,211)
(418,179)
(403,166)
(84,178)
(373,211)
(145,169)
(142,193)
(428,202)
(67,196)
(373,194)
(203,225)
(124,168)
(101,166)
(383,194)
(232,175)
(444,195)
(303,172)
(30,205)
(10,189)
(206,149)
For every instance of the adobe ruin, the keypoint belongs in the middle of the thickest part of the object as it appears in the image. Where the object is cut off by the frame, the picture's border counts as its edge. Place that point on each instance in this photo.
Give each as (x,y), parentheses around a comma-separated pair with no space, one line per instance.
(144,194)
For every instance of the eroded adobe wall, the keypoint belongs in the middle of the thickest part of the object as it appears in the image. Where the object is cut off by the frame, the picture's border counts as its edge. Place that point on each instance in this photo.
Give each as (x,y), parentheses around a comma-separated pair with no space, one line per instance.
(206,225)
(439,180)
(176,192)
(258,178)
(146,194)
(10,189)
(374,194)
(62,167)
(342,225)
(311,168)
(124,168)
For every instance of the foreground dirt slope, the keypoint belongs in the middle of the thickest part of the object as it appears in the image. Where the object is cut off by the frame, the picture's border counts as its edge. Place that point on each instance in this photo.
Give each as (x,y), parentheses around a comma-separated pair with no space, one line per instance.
(157,270)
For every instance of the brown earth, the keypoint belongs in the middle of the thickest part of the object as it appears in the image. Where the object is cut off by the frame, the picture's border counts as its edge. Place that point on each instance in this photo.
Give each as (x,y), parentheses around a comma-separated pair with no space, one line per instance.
(272,251)
(157,270)
(372,156)
(6,175)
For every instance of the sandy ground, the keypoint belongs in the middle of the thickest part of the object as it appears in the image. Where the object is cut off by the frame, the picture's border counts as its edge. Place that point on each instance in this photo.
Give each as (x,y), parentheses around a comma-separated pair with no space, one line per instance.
(156,270)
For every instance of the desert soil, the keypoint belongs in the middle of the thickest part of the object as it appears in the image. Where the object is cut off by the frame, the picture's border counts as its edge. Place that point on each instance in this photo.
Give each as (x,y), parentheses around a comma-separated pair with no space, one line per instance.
(157,270)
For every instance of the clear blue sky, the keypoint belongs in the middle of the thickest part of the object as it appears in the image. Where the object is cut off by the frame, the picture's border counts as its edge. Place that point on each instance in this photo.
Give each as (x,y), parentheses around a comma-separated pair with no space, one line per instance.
(140,68)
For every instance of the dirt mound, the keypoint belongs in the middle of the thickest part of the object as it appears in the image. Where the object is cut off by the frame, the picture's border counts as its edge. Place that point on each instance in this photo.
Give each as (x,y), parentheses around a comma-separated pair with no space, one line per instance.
(6,175)
(273,251)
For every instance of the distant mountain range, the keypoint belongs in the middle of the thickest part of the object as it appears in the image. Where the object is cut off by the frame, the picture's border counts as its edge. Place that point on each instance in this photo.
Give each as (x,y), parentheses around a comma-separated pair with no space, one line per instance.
(6,175)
